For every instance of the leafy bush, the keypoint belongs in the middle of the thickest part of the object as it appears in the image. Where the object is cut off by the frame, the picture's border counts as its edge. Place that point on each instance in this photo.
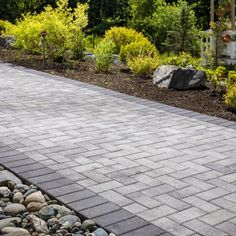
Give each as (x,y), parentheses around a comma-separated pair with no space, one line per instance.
(63,28)
(218,77)
(138,48)
(104,55)
(230,97)
(231,80)
(143,66)
(4,25)
(183,60)
(122,36)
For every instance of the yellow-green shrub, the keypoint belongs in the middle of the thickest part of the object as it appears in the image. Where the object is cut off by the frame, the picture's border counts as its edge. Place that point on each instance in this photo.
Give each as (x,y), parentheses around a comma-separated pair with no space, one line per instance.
(138,48)
(4,25)
(63,28)
(230,97)
(122,36)
(143,65)
(231,80)
(182,60)
(104,55)
(218,77)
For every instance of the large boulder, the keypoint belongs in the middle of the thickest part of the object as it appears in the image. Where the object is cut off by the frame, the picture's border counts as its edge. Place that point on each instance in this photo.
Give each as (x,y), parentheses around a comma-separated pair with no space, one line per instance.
(172,77)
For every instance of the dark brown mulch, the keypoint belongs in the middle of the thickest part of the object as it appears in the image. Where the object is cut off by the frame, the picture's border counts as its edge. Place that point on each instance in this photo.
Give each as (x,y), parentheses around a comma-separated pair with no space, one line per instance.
(205,101)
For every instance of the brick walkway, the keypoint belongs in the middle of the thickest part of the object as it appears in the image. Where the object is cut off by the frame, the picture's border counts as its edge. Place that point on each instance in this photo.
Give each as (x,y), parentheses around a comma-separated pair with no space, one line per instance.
(174,168)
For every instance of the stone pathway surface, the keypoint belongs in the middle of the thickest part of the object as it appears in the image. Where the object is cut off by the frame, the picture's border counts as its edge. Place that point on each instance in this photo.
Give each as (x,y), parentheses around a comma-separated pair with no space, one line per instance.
(172,167)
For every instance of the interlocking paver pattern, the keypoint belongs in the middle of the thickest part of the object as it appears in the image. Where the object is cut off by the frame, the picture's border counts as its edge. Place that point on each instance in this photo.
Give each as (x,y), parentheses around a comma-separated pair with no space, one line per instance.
(174,168)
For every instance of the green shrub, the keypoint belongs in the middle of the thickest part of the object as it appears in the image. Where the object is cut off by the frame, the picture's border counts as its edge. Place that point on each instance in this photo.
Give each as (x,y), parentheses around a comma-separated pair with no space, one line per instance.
(218,77)
(4,25)
(182,60)
(104,55)
(138,48)
(231,80)
(221,72)
(63,28)
(122,36)
(143,66)
(230,97)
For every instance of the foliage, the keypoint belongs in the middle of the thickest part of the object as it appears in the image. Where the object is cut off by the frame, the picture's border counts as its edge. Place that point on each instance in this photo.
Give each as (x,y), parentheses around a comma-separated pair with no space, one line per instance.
(91,41)
(143,66)
(4,25)
(230,97)
(183,36)
(138,48)
(104,14)
(122,36)
(104,55)
(231,80)
(62,26)
(218,77)
(182,60)
(11,10)
(159,18)
(201,9)
(140,55)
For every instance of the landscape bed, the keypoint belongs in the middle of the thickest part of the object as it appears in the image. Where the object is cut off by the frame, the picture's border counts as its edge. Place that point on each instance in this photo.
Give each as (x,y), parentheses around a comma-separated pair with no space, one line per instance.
(119,78)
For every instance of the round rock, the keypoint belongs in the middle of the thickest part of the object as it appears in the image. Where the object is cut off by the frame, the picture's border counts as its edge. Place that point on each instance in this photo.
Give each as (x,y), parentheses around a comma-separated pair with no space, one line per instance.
(14,209)
(18,197)
(69,220)
(34,206)
(39,224)
(22,187)
(35,197)
(11,184)
(52,221)
(61,210)
(89,225)
(5,192)
(46,212)
(9,222)
(100,232)
(15,231)
(30,191)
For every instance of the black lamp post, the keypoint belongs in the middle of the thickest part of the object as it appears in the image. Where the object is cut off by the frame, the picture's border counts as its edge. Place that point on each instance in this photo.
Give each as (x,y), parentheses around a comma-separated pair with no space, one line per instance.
(43,35)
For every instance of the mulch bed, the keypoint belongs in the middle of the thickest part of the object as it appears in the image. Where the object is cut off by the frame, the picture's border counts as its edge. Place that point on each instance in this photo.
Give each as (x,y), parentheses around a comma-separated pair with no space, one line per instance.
(206,101)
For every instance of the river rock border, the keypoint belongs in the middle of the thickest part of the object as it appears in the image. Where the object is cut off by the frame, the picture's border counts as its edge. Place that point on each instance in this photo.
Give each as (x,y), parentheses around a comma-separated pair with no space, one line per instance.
(85,203)
(26,211)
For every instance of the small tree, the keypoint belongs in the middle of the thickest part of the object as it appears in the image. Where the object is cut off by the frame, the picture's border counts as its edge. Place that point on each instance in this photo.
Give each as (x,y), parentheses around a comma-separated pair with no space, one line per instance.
(183,37)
